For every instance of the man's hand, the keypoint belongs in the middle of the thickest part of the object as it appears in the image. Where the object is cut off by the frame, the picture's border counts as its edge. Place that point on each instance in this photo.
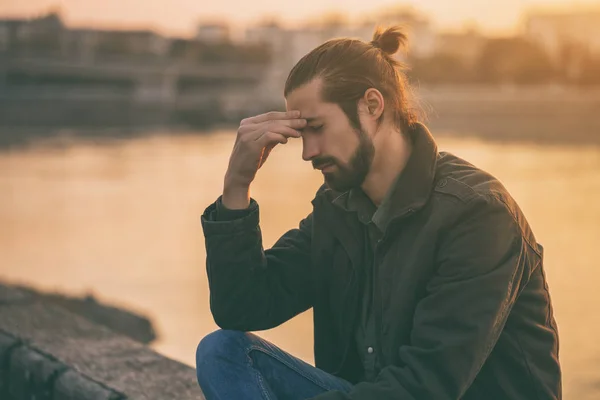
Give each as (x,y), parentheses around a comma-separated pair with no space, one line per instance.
(256,137)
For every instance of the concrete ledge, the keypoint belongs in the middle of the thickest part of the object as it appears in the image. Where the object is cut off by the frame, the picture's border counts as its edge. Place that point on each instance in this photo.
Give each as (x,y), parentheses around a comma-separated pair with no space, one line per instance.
(10,295)
(31,374)
(7,345)
(49,353)
(125,322)
(73,386)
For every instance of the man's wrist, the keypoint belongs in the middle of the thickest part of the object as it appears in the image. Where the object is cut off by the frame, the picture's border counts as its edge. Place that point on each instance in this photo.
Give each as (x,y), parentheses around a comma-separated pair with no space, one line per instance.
(235,196)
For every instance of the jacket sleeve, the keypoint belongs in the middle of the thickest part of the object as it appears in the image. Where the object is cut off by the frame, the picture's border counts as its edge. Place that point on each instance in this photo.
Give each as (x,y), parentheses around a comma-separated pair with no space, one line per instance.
(480,271)
(251,288)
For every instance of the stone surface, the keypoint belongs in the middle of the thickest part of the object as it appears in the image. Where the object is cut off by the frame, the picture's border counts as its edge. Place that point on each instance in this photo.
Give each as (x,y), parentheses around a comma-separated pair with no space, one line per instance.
(11,295)
(7,345)
(32,375)
(73,386)
(122,321)
(99,354)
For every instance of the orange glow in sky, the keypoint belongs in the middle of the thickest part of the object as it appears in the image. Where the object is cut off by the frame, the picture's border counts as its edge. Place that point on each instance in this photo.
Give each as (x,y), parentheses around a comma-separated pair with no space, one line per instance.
(181,16)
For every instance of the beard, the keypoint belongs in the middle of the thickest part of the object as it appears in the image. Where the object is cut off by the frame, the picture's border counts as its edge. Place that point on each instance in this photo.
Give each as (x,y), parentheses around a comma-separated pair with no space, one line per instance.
(351,175)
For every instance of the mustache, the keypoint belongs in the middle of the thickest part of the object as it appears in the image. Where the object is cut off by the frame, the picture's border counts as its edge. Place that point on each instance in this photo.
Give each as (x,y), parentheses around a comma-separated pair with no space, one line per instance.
(322,161)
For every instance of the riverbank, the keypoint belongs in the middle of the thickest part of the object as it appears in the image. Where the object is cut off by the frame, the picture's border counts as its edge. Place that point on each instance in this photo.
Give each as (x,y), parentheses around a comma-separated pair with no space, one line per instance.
(47,352)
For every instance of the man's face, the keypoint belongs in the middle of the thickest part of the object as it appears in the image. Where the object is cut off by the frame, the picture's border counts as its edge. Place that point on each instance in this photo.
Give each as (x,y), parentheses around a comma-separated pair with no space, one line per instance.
(343,153)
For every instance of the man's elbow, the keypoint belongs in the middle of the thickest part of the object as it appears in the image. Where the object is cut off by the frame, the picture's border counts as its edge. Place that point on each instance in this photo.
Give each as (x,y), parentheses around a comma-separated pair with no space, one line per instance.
(225,317)
(237,319)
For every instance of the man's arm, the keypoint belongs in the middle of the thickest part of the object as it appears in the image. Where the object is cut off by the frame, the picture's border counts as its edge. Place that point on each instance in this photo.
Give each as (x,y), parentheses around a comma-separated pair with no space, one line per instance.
(456,325)
(251,288)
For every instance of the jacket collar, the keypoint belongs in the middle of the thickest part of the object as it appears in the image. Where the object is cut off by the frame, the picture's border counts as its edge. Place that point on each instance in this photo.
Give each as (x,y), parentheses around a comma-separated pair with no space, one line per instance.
(413,185)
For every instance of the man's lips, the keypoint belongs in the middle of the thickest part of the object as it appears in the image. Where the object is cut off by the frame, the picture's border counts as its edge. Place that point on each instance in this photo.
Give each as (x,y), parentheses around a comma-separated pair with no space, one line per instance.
(325,167)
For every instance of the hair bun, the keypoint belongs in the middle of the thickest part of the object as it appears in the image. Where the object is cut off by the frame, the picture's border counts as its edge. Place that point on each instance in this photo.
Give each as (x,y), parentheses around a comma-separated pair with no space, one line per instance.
(389,40)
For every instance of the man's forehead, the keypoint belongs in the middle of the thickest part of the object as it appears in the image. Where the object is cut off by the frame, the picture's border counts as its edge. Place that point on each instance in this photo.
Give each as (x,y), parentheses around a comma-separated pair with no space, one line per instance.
(310,112)
(305,95)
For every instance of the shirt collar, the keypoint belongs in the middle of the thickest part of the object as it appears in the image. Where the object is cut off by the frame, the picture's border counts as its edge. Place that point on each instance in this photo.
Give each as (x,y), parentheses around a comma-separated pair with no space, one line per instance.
(410,190)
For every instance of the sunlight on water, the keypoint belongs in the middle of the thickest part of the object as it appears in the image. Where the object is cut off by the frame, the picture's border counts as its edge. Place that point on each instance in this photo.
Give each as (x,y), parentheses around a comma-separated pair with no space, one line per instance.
(123,220)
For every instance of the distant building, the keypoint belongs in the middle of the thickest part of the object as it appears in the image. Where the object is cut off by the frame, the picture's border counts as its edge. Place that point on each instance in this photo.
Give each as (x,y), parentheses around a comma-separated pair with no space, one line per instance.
(9,32)
(31,35)
(87,44)
(141,42)
(283,48)
(213,33)
(268,33)
(466,45)
(553,31)
(50,24)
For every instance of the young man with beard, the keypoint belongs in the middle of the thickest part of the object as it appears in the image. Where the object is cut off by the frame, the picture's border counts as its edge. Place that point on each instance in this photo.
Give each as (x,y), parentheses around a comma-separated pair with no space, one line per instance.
(425,280)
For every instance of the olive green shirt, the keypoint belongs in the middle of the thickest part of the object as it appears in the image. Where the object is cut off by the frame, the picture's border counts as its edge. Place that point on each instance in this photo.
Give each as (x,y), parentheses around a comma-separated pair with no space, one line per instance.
(375,222)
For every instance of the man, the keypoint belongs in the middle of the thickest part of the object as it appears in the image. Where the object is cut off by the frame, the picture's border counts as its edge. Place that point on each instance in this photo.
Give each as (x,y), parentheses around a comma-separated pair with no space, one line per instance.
(425,279)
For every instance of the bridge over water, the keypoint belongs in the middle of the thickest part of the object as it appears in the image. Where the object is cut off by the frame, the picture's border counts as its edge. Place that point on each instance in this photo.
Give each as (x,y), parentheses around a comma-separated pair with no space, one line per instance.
(130,91)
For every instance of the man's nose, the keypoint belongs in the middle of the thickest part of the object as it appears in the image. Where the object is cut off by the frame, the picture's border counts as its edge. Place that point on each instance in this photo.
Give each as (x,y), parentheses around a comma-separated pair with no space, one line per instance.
(310,149)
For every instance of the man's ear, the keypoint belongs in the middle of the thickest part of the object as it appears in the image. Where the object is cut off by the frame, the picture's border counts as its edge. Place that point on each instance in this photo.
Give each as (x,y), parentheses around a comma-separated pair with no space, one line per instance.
(375,103)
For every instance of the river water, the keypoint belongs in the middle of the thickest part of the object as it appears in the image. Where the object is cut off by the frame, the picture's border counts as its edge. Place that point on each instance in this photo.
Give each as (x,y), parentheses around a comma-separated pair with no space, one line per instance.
(121,219)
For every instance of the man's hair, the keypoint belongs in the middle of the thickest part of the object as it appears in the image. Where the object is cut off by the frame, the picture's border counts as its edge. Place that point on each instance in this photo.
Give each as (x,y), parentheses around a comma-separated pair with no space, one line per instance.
(349,67)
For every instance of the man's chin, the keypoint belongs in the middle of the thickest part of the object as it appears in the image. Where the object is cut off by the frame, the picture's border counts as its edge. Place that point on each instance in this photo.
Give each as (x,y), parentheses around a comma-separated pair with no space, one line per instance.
(331,181)
(335,183)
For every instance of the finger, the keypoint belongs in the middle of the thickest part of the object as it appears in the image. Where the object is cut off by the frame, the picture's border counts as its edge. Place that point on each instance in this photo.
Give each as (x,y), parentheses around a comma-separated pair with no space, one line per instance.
(297,123)
(266,153)
(256,130)
(270,147)
(271,138)
(281,129)
(272,116)
(284,129)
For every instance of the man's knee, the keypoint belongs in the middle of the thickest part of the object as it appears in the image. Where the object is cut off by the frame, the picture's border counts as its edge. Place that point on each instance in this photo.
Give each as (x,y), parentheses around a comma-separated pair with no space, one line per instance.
(220,345)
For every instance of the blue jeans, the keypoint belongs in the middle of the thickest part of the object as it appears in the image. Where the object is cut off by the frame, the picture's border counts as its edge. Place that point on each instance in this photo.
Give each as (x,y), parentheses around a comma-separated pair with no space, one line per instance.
(240,366)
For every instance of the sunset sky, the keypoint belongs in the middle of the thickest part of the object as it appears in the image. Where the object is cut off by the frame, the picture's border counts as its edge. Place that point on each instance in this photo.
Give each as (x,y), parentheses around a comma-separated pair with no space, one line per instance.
(181,16)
